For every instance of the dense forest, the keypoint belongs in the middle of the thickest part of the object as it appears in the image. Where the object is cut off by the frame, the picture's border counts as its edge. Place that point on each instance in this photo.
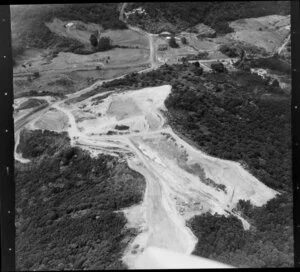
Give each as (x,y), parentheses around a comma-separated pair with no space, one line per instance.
(29,29)
(67,205)
(237,116)
(178,16)
(269,242)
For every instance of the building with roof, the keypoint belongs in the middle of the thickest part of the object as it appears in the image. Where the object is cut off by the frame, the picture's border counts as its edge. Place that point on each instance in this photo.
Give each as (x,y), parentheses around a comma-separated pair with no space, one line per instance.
(69,25)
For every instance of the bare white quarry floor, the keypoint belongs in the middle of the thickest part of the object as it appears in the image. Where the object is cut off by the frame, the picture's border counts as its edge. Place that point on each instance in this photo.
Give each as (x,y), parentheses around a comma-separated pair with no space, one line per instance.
(181,180)
(158,258)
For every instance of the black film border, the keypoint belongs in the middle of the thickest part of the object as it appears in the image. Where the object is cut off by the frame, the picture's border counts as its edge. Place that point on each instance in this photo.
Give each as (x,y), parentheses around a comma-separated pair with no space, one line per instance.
(7,185)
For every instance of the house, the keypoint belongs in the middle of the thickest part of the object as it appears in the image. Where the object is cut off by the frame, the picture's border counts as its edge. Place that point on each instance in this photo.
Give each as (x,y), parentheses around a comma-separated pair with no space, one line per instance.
(69,25)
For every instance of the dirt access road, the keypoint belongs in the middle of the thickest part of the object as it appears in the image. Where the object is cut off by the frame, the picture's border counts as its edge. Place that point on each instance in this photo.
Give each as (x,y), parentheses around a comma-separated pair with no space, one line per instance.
(153,57)
(283,45)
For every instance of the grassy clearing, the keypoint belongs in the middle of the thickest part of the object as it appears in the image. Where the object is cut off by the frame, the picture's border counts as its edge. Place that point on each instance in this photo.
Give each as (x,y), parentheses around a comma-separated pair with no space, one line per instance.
(105,74)
(128,38)
(267,32)
(66,61)
(82,32)
(60,84)
(29,29)
(47,84)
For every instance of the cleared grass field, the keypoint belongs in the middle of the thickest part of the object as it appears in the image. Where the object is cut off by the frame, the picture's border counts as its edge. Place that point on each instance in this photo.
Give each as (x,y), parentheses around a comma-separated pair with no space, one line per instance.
(82,31)
(128,38)
(66,61)
(106,73)
(267,32)
(69,82)
(68,72)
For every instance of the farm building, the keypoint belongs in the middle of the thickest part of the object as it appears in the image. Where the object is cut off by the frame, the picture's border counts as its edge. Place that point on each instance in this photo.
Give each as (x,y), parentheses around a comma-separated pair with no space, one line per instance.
(75,25)
(176,38)
(69,25)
